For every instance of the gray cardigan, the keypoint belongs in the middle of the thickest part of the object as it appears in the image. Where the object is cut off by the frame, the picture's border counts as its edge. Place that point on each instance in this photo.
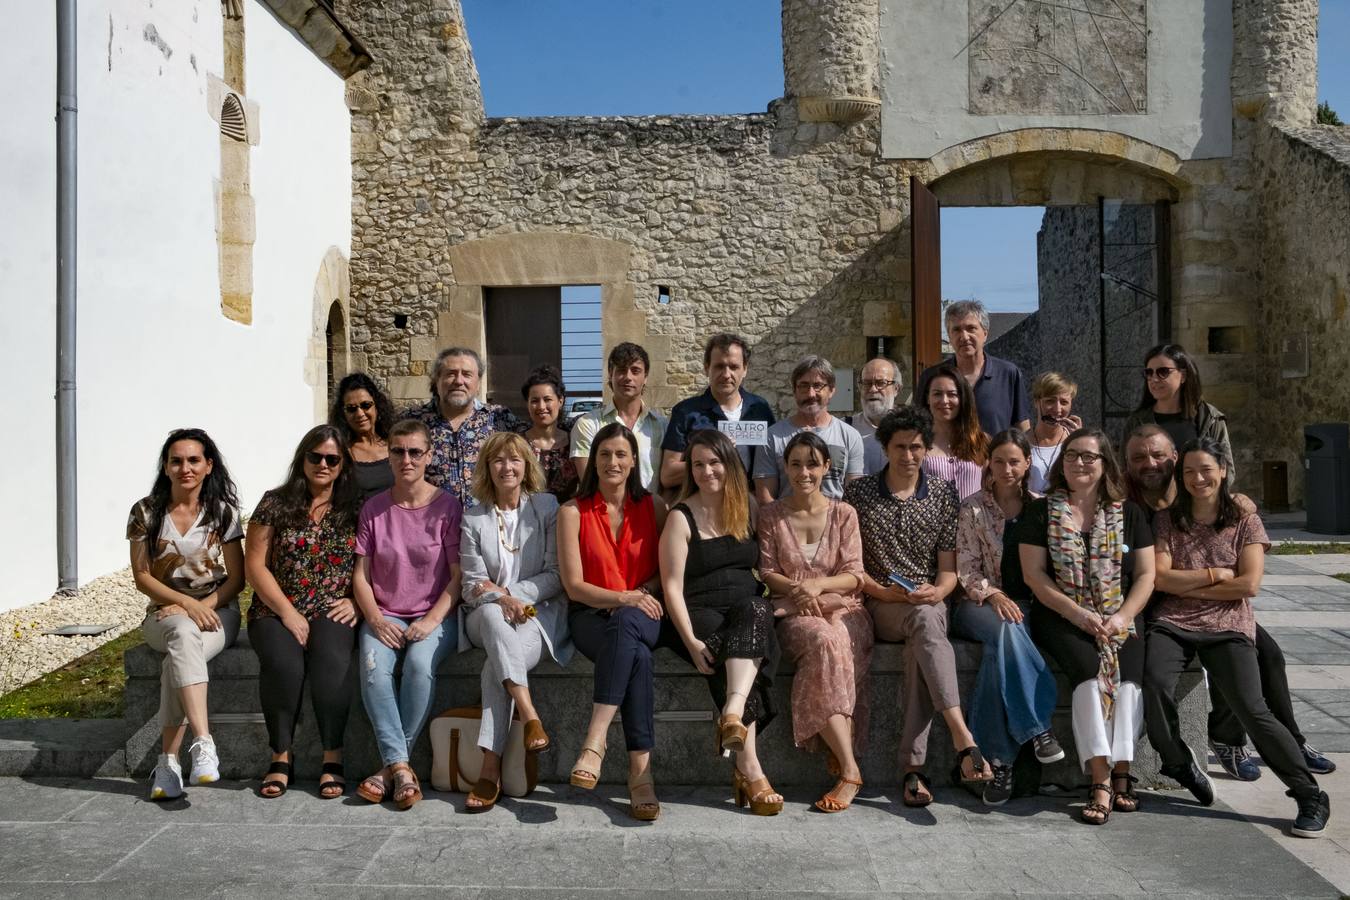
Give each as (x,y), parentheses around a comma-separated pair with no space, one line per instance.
(539,584)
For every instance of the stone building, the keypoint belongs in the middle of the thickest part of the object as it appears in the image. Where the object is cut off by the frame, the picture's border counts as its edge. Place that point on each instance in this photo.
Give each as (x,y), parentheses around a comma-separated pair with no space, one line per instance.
(794,225)
(214,230)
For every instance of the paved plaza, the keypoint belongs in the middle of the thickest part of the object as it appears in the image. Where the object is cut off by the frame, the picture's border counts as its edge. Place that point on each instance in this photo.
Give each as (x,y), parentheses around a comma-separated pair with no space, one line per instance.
(75,838)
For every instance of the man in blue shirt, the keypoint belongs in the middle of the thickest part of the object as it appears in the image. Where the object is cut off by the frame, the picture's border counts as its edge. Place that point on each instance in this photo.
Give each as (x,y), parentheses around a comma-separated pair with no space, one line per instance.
(726,361)
(1000,390)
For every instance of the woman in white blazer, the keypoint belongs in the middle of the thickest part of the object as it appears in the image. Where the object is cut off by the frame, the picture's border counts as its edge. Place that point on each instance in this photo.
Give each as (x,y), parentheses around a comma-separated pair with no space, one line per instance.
(514,606)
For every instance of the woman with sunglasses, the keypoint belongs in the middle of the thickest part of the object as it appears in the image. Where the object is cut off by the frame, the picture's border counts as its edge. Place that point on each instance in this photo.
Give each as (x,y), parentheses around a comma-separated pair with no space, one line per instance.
(1211,549)
(1173,400)
(1087,556)
(406,584)
(299,557)
(959,447)
(363,415)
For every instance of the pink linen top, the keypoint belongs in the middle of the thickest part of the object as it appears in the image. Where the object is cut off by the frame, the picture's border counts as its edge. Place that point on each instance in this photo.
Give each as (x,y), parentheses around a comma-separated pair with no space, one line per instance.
(410,551)
(840,550)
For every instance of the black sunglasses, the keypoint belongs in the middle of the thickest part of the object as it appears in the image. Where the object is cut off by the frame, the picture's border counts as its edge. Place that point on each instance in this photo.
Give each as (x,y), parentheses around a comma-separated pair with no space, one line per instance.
(1161,373)
(314,459)
(364,406)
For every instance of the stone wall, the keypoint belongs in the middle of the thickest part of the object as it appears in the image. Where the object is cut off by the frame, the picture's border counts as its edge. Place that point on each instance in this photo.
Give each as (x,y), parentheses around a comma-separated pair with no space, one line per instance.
(1304,288)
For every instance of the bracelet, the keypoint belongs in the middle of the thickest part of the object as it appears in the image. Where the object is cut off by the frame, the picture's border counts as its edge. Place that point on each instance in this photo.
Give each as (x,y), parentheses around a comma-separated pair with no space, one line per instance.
(1210,573)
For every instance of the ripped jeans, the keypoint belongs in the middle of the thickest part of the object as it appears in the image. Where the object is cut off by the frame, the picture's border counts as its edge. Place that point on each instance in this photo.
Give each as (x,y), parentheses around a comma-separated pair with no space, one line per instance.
(398,712)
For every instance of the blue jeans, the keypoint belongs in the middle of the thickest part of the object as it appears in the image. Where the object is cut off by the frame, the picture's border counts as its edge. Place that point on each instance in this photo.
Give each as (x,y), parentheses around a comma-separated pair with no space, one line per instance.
(397,713)
(1014,691)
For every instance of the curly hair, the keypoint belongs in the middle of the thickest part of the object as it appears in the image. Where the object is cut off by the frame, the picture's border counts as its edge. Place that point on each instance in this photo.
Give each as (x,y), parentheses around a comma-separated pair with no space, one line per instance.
(905,418)
(384,408)
(294,496)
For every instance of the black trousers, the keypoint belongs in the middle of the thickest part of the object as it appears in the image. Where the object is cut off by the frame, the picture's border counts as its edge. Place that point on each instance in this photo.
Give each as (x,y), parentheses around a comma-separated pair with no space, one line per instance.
(620,643)
(284,667)
(1075,652)
(1224,727)
(1230,659)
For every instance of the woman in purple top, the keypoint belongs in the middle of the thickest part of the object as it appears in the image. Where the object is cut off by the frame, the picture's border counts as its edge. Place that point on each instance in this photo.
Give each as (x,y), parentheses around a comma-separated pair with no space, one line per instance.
(406,583)
(960,448)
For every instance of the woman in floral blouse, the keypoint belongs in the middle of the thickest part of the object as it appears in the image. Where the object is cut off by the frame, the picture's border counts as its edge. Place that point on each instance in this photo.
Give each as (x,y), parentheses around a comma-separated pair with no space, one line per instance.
(299,558)
(544,393)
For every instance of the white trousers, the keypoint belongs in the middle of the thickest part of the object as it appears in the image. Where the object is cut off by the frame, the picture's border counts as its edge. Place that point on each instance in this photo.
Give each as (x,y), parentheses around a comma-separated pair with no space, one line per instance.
(1094,736)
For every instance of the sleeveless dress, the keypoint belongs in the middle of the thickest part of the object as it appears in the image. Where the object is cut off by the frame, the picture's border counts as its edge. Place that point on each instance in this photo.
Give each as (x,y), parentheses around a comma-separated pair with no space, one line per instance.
(730,614)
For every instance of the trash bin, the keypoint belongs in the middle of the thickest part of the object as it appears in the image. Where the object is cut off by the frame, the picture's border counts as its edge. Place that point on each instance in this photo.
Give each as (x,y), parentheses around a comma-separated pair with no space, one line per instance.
(1326,463)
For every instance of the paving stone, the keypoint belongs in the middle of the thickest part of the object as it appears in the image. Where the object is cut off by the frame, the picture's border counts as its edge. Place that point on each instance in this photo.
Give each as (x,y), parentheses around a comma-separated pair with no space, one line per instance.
(67,851)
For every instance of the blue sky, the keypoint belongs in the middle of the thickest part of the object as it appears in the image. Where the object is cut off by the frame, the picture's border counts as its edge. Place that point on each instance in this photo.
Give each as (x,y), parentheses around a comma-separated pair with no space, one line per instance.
(647,57)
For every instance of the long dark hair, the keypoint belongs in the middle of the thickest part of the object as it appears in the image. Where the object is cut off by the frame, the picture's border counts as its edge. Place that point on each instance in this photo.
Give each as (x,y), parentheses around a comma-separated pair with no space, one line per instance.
(969,442)
(1019,440)
(1183,516)
(384,409)
(734,516)
(219,499)
(590,482)
(1112,485)
(293,494)
(1192,391)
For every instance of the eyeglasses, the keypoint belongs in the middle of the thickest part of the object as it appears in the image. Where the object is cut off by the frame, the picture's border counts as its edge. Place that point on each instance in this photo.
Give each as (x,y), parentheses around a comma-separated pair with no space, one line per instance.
(413,453)
(880,383)
(1085,457)
(813,386)
(364,406)
(1162,373)
(332,459)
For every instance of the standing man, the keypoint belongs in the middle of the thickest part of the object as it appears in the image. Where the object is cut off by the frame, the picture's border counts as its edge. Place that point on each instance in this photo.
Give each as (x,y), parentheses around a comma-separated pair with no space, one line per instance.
(629,366)
(1150,466)
(881,384)
(813,385)
(1000,389)
(458,421)
(726,362)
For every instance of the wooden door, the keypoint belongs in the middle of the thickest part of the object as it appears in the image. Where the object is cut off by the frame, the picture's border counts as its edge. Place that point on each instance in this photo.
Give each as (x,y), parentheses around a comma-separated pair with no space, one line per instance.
(925,255)
(523,328)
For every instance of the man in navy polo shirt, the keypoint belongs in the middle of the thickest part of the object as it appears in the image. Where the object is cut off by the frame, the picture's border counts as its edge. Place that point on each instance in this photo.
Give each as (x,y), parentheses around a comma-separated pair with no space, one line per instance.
(1000,390)
(726,361)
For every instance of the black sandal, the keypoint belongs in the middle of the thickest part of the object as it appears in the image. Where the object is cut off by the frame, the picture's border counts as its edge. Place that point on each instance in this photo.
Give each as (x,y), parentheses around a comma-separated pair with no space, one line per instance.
(911,784)
(1126,800)
(278,767)
(976,765)
(326,790)
(1093,808)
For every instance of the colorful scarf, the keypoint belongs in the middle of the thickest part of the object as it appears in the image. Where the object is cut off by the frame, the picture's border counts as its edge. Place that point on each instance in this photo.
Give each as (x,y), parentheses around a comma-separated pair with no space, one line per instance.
(1088,572)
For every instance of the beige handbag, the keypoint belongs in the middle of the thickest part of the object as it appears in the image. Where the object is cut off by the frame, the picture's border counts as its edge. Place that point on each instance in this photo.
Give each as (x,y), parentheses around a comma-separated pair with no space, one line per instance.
(456,758)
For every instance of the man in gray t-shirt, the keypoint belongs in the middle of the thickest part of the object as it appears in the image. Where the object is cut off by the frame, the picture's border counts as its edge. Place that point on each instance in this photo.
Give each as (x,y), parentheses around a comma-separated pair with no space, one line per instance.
(812,387)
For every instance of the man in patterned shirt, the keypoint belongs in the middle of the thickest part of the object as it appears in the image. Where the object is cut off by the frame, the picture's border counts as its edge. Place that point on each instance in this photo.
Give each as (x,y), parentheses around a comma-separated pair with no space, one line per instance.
(458,421)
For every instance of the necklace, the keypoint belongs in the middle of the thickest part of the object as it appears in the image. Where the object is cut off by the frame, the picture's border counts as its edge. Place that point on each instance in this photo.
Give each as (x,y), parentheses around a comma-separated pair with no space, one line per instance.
(501,531)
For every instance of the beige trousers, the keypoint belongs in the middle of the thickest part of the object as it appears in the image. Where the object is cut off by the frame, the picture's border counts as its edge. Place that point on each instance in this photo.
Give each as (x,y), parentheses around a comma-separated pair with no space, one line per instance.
(187,649)
(930,669)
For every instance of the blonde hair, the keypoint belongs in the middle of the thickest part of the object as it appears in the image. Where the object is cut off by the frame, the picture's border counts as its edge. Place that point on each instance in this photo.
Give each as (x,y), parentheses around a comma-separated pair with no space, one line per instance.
(1052,384)
(499,444)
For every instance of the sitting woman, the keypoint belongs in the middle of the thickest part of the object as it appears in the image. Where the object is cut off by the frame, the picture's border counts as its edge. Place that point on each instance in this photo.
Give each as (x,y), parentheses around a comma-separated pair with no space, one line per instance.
(810,556)
(187,558)
(708,557)
(363,414)
(608,559)
(959,448)
(406,583)
(544,394)
(299,557)
(1087,555)
(513,605)
(1052,394)
(908,521)
(1211,550)
(1014,691)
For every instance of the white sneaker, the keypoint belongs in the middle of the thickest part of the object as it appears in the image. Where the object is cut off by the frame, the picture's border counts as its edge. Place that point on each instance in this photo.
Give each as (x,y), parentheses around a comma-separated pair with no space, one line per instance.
(205,762)
(166,782)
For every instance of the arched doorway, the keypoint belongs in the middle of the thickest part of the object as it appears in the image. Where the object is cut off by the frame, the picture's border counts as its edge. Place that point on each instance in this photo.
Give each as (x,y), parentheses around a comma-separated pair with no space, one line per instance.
(330,345)
(335,344)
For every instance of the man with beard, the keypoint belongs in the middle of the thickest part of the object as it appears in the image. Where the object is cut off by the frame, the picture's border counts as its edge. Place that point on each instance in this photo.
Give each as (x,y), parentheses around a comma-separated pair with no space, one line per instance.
(881,383)
(813,385)
(629,365)
(726,362)
(1150,464)
(1000,390)
(458,421)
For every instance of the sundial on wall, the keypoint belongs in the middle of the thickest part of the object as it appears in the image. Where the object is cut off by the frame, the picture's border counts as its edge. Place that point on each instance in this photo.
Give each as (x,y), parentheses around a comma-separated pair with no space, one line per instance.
(1058,57)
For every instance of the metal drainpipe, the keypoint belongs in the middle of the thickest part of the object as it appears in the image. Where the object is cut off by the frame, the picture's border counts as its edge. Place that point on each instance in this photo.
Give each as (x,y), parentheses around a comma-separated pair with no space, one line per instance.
(67,536)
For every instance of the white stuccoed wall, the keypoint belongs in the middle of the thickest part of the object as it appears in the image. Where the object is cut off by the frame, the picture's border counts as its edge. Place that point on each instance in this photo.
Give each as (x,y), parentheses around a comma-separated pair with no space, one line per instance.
(155,351)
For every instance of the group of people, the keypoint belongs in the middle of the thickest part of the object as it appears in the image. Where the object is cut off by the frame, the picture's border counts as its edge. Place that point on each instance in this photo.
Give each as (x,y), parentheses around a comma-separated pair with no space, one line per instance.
(734,539)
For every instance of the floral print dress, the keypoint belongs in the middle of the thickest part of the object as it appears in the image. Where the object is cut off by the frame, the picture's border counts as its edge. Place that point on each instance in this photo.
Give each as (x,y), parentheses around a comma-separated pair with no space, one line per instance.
(312,563)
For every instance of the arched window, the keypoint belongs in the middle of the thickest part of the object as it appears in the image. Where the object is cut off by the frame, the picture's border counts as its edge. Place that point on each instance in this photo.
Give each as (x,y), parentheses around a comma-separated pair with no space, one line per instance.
(335,339)
(232,123)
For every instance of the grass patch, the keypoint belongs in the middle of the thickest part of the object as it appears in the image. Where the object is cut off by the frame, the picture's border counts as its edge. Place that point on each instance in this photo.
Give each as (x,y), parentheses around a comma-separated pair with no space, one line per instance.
(1290,549)
(90,687)
(1344,576)
(86,688)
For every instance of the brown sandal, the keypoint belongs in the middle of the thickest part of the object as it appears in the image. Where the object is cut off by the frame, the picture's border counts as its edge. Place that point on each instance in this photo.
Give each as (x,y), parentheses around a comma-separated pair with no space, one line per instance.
(643,810)
(746,792)
(374,787)
(536,739)
(486,793)
(405,779)
(1095,813)
(582,776)
(1126,800)
(831,803)
(731,733)
(910,790)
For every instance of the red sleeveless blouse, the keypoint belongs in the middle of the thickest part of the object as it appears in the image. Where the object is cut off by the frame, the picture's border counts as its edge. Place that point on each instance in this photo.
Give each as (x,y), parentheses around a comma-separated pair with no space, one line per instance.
(630,561)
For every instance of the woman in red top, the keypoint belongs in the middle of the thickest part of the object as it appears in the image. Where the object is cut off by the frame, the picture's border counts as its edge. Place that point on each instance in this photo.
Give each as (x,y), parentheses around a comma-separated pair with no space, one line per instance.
(607,556)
